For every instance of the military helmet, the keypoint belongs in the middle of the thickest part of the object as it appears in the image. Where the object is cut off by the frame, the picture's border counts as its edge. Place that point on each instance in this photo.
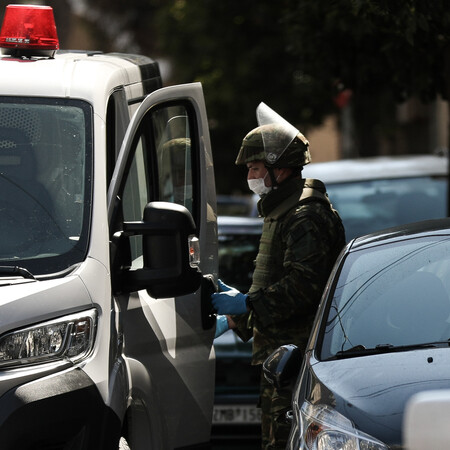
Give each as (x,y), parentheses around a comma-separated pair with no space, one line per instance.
(275,141)
(274,145)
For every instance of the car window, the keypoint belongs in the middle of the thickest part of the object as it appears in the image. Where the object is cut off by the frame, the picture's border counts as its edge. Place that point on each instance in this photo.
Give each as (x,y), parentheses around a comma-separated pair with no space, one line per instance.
(391,295)
(237,253)
(367,206)
(237,205)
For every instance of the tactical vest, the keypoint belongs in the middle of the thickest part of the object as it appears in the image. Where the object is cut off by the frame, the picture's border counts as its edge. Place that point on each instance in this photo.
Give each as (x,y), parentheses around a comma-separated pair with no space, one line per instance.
(268,269)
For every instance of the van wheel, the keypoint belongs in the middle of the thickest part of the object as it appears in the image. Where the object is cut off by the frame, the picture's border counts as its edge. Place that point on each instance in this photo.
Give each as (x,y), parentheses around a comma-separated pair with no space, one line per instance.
(123,444)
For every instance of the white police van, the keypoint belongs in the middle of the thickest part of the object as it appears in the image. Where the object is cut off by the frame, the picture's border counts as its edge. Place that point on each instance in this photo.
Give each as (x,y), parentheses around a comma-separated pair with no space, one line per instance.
(107,221)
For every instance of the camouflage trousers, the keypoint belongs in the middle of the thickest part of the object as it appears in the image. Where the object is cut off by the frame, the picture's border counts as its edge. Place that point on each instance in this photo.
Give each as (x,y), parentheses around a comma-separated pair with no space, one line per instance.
(274,426)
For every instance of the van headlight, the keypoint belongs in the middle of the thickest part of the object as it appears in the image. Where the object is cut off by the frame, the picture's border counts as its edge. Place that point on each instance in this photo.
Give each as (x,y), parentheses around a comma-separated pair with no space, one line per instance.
(323,428)
(66,338)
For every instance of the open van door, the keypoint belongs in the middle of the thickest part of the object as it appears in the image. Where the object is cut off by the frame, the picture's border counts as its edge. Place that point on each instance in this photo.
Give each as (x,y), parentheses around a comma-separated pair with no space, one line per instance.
(162,223)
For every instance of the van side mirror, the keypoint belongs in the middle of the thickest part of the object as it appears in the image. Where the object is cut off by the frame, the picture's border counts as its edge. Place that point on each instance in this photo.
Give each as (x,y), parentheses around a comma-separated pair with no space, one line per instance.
(168,269)
(282,367)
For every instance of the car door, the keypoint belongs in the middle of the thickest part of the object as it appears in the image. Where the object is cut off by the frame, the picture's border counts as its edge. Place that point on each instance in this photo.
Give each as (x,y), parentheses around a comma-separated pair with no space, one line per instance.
(167,342)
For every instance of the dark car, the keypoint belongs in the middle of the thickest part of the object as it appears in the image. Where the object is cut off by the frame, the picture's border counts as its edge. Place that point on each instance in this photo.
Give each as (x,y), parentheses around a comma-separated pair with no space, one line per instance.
(236,416)
(381,335)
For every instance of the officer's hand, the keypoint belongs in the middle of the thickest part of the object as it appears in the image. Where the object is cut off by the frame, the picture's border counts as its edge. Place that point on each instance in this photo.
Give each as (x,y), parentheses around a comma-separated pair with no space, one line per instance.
(229,300)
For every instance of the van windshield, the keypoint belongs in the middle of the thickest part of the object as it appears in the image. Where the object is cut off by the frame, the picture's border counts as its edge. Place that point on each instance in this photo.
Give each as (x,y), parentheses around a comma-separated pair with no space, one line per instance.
(45,183)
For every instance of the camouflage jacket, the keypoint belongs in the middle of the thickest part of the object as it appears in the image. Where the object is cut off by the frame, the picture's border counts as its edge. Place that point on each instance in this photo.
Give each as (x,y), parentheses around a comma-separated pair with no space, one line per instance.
(301,239)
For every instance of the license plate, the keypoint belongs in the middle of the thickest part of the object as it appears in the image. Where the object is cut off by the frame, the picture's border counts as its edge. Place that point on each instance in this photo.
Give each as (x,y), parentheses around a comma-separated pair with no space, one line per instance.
(236,414)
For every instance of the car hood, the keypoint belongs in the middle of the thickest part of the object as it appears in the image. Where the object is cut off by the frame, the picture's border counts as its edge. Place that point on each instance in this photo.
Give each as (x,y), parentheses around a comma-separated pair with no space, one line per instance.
(372,390)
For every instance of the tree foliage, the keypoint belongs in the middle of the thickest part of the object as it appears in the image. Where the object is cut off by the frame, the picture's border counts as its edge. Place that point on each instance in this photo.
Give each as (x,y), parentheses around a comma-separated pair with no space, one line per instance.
(240,53)
(385,51)
(296,56)
(399,45)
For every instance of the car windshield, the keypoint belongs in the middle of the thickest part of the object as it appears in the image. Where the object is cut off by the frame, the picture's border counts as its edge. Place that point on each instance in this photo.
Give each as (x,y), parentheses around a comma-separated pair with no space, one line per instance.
(45,183)
(390,296)
(367,206)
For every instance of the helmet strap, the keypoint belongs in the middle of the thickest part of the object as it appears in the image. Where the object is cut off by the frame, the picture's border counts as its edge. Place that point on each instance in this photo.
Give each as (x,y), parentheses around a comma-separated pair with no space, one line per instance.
(273,178)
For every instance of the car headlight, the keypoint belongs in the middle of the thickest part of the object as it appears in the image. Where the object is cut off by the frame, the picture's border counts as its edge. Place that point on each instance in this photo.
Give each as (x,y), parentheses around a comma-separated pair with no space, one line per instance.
(66,338)
(323,428)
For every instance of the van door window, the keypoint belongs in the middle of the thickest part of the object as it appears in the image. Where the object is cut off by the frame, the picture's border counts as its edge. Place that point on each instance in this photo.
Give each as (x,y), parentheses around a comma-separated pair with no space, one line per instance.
(174,156)
(136,194)
(161,167)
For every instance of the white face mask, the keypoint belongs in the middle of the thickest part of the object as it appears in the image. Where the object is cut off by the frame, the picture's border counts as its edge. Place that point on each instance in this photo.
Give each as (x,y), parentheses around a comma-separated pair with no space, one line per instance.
(258,186)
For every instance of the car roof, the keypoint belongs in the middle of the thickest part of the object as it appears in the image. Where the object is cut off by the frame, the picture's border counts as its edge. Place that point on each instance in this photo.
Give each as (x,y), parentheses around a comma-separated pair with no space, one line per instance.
(360,169)
(237,205)
(402,232)
(239,225)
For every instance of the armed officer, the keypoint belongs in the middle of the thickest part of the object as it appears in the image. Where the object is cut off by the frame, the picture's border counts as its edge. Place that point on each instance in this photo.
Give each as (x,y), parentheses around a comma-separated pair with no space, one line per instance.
(301,239)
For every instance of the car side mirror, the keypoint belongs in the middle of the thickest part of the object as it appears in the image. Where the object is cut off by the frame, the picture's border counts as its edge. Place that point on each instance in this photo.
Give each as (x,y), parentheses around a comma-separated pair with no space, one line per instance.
(282,367)
(170,260)
(425,421)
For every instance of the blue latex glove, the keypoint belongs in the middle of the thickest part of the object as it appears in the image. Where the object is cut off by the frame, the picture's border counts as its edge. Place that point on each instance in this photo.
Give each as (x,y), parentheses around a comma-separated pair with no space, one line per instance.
(229,300)
(221,326)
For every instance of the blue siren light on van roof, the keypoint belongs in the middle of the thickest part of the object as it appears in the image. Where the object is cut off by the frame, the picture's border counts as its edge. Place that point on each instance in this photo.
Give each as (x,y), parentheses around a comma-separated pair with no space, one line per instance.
(29,30)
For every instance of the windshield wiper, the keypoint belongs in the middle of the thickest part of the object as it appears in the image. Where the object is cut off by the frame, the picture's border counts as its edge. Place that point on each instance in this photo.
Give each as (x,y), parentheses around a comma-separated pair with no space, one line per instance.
(360,350)
(357,350)
(16,271)
(399,348)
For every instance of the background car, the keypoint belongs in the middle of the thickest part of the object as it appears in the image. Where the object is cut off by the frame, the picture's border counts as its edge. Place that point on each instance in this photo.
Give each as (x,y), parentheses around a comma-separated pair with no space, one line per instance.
(380,336)
(373,193)
(237,205)
(384,191)
(236,417)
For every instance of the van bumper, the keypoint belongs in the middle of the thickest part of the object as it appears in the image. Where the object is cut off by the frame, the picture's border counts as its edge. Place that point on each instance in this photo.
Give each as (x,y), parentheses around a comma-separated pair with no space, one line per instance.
(62,411)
